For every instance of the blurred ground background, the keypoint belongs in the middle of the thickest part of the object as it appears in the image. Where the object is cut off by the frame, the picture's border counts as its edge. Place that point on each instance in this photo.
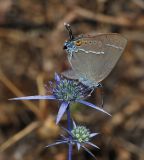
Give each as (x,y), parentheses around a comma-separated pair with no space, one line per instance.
(31,41)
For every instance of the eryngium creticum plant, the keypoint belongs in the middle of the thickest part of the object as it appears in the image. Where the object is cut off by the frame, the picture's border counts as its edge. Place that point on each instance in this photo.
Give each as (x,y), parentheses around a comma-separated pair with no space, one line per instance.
(67,92)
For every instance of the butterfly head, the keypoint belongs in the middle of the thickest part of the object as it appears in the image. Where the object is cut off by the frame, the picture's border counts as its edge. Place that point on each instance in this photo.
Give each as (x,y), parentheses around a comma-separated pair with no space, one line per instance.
(70,47)
(73,43)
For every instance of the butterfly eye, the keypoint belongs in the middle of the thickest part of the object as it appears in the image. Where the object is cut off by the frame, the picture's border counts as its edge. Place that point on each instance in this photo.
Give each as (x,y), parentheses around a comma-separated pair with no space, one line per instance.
(64,47)
(78,42)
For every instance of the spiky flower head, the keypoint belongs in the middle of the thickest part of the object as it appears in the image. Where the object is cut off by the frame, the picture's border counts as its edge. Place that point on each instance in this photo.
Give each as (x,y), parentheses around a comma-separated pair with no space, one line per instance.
(69,90)
(81,134)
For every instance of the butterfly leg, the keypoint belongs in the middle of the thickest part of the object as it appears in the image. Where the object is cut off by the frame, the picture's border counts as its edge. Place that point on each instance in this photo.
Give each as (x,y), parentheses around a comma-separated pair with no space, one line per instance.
(92,89)
(70,54)
(102,95)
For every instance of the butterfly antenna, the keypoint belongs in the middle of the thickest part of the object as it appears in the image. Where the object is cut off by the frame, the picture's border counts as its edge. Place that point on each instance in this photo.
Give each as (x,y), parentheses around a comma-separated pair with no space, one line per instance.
(68,27)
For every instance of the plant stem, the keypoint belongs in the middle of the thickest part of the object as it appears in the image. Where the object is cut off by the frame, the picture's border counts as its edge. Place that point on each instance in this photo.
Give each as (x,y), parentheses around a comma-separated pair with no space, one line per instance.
(69,128)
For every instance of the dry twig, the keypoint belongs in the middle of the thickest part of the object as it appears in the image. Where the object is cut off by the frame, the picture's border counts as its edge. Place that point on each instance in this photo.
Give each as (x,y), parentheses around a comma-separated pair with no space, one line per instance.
(18,136)
(121,21)
(41,91)
(18,93)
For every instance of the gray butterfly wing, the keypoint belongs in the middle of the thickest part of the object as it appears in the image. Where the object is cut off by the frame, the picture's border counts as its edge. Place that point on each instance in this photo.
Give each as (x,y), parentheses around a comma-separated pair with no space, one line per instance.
(97,61)
(71,74)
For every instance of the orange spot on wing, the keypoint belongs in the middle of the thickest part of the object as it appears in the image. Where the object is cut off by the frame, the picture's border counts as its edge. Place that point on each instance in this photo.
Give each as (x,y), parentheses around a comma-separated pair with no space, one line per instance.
(78,42)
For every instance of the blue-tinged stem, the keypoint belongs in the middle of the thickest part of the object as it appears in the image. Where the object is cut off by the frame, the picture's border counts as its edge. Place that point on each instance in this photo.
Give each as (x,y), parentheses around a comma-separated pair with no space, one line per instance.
(69,128)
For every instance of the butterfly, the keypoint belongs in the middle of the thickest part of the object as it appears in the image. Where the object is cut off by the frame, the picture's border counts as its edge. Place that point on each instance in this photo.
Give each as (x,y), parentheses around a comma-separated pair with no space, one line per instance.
(92,57)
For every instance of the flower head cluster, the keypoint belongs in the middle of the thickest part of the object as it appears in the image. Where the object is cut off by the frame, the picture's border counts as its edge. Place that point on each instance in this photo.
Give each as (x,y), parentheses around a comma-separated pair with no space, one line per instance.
(80,136)
(66,91)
